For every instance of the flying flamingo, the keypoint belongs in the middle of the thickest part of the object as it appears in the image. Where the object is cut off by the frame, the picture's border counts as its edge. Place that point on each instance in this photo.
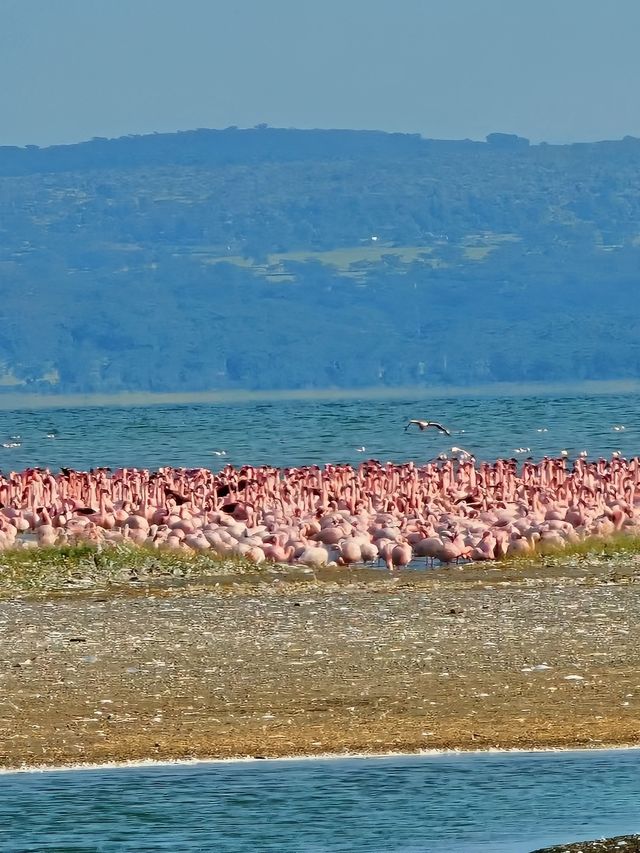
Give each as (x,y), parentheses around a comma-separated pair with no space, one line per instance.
(426,424)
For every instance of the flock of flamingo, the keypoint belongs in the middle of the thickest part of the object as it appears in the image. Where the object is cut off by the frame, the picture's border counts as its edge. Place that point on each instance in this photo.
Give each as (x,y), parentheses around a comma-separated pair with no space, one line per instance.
(445,510)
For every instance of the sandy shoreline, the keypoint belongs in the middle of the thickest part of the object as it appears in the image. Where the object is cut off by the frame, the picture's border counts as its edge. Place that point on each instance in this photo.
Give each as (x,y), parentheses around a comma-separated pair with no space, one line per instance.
(542,657)
(328,756)
(26,400)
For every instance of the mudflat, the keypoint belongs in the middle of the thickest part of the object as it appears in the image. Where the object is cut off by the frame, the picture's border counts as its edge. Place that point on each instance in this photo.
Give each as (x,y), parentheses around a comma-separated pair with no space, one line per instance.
(542,655)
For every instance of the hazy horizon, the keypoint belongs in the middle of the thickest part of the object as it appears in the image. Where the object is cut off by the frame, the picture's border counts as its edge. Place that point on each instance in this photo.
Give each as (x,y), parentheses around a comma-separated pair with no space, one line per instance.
(362,129)
(550,72)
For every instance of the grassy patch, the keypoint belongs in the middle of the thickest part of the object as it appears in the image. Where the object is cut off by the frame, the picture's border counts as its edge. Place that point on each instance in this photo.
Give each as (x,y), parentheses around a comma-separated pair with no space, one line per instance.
(342,259)
(477,253)
(479,247)
(346,260)
(593,549)
(42,570)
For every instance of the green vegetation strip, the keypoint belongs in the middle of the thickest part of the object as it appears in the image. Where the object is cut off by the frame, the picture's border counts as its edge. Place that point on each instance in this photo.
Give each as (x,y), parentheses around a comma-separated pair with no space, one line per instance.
(598,549)
(43,570)
(38,571)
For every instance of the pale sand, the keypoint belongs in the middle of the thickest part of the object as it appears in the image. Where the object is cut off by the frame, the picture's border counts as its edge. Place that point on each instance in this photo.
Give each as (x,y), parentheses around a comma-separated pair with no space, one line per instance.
(357,664)
(285,759)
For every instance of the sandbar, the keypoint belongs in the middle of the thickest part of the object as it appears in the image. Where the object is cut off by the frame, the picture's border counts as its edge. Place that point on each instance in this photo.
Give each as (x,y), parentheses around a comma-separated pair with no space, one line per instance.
(542,655)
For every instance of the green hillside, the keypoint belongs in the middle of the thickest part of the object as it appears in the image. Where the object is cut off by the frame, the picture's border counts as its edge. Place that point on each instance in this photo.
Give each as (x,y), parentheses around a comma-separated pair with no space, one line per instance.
(267,259)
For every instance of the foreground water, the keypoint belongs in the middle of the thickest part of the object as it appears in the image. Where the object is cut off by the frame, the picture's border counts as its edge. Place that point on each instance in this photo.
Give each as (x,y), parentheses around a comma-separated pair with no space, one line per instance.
(316,432)
(485,803)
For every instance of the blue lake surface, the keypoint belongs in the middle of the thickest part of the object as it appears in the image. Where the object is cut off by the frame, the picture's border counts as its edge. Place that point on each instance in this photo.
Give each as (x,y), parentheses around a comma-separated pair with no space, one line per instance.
(483,803)
(301,432)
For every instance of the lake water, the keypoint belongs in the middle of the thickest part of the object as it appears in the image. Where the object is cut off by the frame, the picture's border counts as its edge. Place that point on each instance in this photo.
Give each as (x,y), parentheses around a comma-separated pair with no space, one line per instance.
(315,432)
(486,803)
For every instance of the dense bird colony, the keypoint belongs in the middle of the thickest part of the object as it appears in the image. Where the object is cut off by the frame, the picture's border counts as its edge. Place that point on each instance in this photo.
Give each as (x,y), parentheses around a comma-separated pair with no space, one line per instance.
(445,511)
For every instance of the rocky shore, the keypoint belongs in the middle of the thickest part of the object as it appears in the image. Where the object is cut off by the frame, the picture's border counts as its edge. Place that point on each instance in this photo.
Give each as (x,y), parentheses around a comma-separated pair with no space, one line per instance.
(537,655)
(619,844)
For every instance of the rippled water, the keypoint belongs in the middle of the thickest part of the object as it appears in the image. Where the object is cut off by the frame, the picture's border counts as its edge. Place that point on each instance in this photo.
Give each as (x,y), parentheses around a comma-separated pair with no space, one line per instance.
(306,432)
(487,803)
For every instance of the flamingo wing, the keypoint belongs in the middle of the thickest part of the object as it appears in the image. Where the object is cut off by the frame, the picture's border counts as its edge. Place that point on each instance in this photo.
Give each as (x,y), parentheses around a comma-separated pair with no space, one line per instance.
(439,427)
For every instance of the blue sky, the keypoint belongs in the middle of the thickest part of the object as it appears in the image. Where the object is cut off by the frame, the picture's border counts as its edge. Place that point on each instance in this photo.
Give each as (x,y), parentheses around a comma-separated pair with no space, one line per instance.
(558,70)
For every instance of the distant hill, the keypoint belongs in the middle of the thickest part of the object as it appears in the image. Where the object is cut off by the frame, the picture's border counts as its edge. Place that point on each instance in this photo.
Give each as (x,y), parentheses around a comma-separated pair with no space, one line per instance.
(271,258)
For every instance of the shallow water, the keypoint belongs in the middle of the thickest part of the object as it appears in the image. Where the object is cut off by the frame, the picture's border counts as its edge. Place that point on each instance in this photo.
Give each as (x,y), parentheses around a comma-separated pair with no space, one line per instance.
(486,803)
(316,431)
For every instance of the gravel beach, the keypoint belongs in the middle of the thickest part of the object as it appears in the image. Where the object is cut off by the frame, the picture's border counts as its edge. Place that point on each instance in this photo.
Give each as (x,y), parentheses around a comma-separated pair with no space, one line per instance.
(537,656)
(619,844)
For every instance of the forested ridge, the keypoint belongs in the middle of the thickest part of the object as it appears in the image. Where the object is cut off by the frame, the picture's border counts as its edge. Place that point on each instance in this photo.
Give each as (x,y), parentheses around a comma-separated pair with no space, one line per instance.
(270,259)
